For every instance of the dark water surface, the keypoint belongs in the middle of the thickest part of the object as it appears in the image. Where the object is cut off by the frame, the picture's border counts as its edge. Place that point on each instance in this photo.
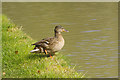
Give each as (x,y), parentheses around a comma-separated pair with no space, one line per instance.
(92,41)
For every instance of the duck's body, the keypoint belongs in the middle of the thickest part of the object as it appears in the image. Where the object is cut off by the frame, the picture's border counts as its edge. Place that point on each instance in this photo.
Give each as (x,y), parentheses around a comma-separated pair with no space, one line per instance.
(52,44)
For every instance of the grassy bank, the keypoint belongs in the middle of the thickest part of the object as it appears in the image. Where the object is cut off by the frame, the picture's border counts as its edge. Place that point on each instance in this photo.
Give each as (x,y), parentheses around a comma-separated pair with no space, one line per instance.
(0,46)
(18,62)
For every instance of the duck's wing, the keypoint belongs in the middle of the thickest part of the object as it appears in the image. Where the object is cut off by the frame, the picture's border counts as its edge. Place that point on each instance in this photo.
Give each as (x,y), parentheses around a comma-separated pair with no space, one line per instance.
(45,42)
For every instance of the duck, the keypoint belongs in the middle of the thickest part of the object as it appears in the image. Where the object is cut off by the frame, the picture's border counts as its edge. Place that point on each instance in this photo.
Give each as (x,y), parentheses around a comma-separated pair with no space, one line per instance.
(51,45)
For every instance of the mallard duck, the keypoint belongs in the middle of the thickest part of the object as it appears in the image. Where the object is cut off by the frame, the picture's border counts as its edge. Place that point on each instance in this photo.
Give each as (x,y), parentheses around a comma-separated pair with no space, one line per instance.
(52,44)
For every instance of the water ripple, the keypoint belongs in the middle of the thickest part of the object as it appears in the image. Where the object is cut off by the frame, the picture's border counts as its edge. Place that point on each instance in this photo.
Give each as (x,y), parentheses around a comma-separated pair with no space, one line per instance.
(87,63)
(104,40)
(92,31)
(86,40)
(96,43)
(104,36)
(93,19)
(70,55)
(108,28)
(95,51)
(75,52)
(81,70)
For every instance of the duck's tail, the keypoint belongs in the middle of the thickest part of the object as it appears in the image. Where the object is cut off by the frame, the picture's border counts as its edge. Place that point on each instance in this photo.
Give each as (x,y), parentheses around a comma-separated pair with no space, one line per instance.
(37,49)
(34,50)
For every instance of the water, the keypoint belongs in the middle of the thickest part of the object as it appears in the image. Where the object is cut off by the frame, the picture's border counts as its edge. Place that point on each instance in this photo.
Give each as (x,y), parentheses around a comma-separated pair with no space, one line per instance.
(91,43)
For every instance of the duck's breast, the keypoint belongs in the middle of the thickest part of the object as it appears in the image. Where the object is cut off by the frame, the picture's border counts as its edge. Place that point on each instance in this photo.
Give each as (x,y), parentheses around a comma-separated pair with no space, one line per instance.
(59,44)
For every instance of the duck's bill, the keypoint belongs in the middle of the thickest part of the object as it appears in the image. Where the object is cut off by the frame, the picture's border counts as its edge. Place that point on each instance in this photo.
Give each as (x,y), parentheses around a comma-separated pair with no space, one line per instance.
(64,30)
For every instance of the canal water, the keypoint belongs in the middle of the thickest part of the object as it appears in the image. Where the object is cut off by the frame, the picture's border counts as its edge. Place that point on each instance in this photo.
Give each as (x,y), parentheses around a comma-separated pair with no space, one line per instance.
(91,44)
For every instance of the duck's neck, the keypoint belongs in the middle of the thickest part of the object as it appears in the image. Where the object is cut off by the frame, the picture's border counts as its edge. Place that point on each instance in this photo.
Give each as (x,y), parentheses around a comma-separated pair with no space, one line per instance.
(58,35)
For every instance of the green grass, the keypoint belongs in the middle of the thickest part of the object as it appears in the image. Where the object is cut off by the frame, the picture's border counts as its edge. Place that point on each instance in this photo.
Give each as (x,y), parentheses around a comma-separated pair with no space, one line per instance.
(0,45)
(18,62)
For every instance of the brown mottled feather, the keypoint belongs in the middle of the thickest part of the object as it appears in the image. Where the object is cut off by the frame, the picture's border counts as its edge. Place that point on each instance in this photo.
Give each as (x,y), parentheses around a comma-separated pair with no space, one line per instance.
(46,42)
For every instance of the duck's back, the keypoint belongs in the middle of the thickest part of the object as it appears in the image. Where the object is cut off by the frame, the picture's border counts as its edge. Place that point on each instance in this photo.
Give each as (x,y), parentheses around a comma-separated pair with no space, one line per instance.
(46,42)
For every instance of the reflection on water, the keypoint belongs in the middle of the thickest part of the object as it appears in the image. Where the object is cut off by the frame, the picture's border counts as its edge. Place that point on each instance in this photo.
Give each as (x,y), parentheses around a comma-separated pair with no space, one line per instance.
(92,31)
(91,43)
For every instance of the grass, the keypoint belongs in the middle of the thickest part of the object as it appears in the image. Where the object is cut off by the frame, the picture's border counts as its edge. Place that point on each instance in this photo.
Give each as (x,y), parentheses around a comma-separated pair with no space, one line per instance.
(18,62)
(0,45)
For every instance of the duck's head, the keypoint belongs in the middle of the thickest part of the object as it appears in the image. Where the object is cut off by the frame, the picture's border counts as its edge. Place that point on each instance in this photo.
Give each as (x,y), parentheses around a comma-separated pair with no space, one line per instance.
(59,29)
